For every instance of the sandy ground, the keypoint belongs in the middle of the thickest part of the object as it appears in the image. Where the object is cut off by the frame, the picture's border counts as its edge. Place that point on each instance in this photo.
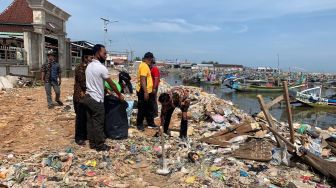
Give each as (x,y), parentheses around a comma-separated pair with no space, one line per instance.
(27,125)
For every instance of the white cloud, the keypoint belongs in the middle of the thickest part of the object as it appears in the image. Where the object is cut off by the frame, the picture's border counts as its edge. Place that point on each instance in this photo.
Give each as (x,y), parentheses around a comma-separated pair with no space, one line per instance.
(234,10)
(167,25)
(244,29)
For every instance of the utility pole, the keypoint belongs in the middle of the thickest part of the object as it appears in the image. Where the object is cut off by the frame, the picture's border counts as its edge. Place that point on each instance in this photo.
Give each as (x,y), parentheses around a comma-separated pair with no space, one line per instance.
(278,63)
(106,22)
(127,53)
(132,55)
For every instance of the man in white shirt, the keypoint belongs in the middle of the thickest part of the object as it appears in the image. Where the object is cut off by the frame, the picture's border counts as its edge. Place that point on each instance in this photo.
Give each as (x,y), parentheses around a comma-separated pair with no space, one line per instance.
(96,73)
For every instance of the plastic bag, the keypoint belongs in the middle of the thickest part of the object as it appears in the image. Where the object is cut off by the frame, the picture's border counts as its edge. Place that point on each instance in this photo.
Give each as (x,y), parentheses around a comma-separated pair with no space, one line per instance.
(129,110)
(116,122)
(315,146)
(280,156)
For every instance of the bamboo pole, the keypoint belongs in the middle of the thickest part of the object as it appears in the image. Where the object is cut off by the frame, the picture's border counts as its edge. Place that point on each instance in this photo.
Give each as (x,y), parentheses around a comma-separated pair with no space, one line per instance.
(289,111)
(267,115)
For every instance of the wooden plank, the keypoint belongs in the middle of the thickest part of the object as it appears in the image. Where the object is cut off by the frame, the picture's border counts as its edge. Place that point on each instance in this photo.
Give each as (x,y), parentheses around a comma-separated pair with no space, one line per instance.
(218,142)
(241,130)
(289,111)
(220,133)
(267,115)
(275,101)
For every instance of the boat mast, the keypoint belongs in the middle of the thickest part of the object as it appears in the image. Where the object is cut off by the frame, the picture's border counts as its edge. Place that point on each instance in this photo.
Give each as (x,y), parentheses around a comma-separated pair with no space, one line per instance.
(278,70)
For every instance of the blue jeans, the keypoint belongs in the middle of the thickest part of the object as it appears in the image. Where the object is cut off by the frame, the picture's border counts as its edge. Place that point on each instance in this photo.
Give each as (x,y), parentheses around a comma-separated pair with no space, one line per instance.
(57,90)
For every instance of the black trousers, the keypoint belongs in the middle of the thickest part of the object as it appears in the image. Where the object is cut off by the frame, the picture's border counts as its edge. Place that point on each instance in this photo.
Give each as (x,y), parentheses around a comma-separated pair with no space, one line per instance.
(80,124)
(145,110)
(155,107)
(95,122)
(184,122)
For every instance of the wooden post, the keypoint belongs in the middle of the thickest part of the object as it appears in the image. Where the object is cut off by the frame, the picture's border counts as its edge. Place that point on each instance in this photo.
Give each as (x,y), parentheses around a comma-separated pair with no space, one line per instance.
(289,112)
(268,117)
(6,55)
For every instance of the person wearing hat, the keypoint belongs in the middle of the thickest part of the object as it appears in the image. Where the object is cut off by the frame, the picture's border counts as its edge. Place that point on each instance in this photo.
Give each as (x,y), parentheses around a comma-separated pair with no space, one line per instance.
(51,77)
(144,92)
(78,96)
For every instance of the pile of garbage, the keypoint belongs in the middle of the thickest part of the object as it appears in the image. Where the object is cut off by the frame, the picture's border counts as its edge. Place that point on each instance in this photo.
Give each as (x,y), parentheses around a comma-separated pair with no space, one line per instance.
(226,147)
(320,142)
(10,82)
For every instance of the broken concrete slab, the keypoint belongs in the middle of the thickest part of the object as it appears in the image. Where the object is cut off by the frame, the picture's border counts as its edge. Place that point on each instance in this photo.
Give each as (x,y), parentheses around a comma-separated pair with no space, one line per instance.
(6,84)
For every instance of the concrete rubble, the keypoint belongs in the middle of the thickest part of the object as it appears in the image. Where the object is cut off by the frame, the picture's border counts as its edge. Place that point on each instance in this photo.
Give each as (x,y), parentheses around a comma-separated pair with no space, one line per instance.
(134,161)
(9,82)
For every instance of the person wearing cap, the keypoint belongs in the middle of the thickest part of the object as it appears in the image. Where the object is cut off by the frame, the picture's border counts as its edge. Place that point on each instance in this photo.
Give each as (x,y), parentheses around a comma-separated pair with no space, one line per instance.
(95,74)
(145,93)
(51,77)
(156,81)
(78,96)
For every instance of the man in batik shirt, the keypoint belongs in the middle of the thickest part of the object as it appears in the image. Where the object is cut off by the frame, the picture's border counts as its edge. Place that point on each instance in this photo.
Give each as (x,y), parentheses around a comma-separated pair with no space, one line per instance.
(51,77)
(79,94)
(176,97)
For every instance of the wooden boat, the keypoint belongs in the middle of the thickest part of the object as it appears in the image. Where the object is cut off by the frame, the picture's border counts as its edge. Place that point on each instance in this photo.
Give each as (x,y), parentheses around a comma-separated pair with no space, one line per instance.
(312,97)
(262,89)
(210,82)
(265,88)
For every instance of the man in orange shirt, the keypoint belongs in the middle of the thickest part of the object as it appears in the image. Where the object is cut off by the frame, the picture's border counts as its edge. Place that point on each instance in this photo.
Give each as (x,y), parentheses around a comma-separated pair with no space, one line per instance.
(145,93)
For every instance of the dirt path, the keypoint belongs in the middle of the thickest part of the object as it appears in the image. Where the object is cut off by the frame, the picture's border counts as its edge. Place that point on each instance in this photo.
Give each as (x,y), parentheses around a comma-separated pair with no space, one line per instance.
(27,125)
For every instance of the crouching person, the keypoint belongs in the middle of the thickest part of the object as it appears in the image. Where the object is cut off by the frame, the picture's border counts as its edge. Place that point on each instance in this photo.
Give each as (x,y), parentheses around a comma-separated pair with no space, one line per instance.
(176,97)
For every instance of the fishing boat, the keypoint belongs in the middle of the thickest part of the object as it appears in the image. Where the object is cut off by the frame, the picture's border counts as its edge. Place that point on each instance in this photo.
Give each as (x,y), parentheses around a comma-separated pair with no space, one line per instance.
(313,97)
(262,89)
(211,82)
(268,88)
(240,85)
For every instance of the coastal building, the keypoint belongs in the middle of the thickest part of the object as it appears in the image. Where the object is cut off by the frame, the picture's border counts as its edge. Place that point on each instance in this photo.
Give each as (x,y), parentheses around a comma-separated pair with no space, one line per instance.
(77,48)
(228,67)
(201,67)
(185,65)
(267,69)
(117,59)
(28,29)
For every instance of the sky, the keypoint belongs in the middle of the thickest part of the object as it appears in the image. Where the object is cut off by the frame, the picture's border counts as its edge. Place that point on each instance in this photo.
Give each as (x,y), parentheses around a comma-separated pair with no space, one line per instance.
(251,33)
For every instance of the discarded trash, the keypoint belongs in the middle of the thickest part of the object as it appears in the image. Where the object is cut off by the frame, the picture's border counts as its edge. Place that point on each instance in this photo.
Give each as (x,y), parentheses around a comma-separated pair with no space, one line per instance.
(2,175)
(218,174)
(10,156)
(214,168)
(315,146)
(146,148)
(303,128)
(190,180)
(235,143)
(280,156)
(259,168)
(91,163)
(243,173)
(193,157)
(218,118)
(91,173)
